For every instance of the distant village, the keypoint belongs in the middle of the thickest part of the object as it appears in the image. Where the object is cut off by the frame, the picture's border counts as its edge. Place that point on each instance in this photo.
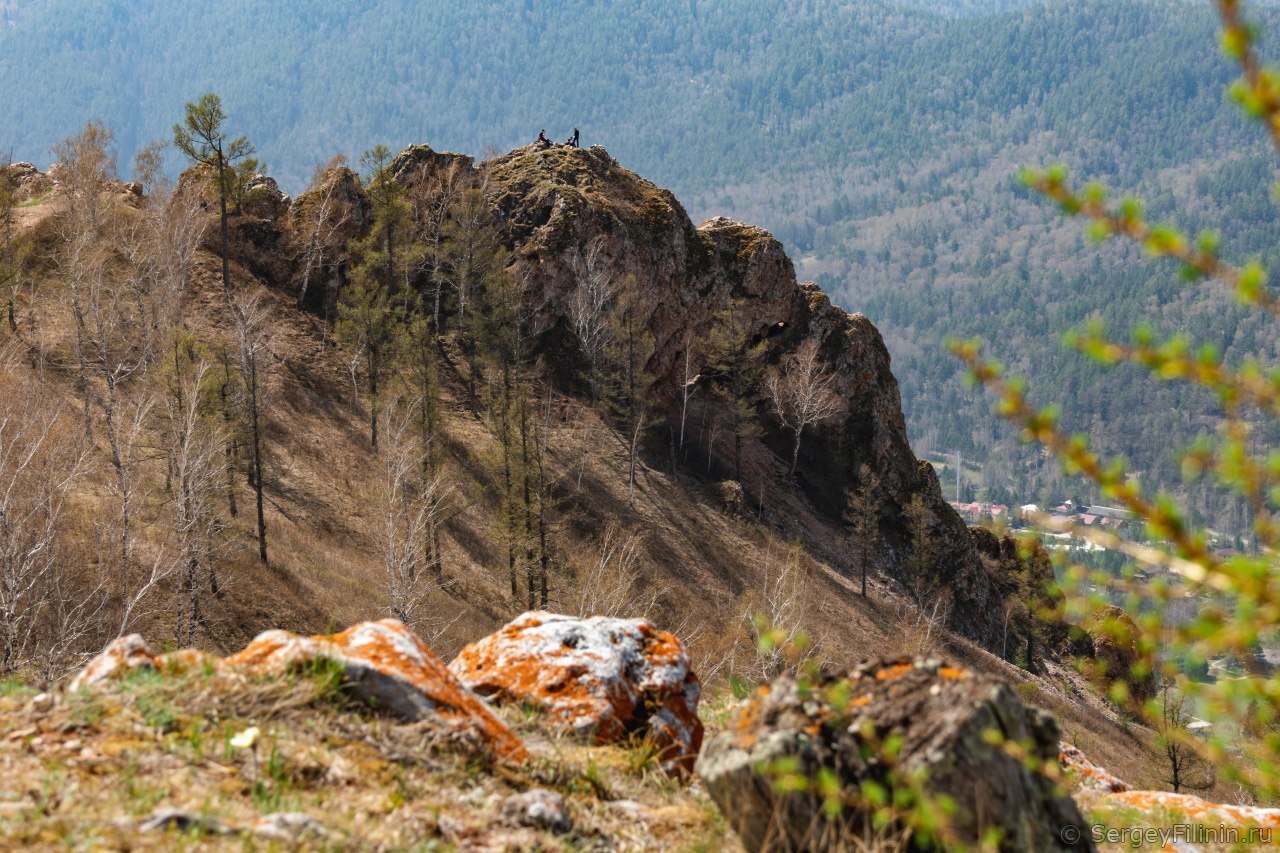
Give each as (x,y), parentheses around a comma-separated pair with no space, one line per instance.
(1061,516)
(1064,521)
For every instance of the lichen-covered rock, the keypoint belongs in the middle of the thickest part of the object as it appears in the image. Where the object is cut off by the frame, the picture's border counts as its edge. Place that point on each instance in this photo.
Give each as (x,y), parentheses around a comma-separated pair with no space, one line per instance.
(1159,805)
(600,676)
(121,655)
(385,663)
(960,736)
(382,662)
(1089,774)
(1101,792)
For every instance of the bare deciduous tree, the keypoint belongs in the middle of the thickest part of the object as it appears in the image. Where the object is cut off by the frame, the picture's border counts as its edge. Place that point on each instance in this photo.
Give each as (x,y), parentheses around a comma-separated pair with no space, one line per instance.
(10,254)
(775,612)
(196,454)
(44,612)
(688,387)
(589,308)
(433,196)
(249,314)
(802,393)
(161,245)
(320,224)
(1188,769)
(85,164)
(414,505)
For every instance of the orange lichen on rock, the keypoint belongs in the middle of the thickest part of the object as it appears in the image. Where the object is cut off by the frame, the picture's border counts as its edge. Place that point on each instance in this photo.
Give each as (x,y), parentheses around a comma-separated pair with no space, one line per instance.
(952,672)
(1091,775)
(1197,810)
(896,670)
(383,662)
(121,655)
(388,664)
(609,678)
(1159,805)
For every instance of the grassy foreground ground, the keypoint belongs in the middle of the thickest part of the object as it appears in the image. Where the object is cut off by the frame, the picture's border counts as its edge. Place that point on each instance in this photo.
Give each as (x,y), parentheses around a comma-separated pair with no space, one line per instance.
(88,770)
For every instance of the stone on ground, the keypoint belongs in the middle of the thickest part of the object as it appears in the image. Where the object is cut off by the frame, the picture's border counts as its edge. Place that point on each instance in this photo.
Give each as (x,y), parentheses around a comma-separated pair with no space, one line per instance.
(382,662)
(836,738)
(599,676)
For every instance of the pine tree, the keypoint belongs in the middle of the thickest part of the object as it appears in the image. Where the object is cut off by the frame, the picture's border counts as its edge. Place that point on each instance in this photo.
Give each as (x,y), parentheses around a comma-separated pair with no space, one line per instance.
(201,137)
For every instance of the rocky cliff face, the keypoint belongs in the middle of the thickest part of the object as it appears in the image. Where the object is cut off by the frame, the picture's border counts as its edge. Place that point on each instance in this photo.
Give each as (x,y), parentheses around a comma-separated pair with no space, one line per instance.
(560,203)
(561,210)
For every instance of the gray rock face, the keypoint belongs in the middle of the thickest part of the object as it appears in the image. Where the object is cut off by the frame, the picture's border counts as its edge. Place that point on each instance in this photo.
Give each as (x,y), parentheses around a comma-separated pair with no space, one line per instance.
(263,198)
(27,181)
(933,732)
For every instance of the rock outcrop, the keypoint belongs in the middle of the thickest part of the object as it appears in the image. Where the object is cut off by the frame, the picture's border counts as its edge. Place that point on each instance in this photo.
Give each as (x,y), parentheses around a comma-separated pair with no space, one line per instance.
(918,730)
(1180,816)
(600,677)
(264,199)
(1116,653)
(322,223)
(562,208)
(383,663)
(27,181)
(1090,775)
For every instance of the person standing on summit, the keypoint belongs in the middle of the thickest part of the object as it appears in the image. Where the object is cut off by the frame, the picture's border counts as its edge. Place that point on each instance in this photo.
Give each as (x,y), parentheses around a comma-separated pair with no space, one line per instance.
(573,140)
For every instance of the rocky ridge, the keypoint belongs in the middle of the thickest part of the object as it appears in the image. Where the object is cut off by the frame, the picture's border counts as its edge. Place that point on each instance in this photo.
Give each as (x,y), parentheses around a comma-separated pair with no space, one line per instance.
(554,206)
(558,205)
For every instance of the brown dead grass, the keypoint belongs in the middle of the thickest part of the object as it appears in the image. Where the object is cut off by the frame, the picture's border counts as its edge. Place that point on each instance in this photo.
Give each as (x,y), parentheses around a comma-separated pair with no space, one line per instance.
(84,772)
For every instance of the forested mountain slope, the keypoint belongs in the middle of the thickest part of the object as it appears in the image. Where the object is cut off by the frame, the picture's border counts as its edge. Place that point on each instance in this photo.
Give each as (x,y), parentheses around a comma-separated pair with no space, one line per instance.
(878,140)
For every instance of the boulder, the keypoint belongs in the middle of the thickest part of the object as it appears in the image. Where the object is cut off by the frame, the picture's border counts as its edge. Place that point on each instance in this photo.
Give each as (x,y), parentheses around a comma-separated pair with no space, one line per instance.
(797,766)
(602,677)
(1163,808)
(122,655)
(382,662)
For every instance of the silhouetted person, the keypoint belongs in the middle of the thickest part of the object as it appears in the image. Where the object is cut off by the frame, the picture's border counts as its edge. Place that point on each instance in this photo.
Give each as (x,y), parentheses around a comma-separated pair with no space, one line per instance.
(573,140)
(542,139)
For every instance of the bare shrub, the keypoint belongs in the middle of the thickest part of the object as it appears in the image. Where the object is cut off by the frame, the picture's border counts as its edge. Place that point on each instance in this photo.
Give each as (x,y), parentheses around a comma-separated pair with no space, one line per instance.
(774,614)
(47,613)
(922,628)
(609,577)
